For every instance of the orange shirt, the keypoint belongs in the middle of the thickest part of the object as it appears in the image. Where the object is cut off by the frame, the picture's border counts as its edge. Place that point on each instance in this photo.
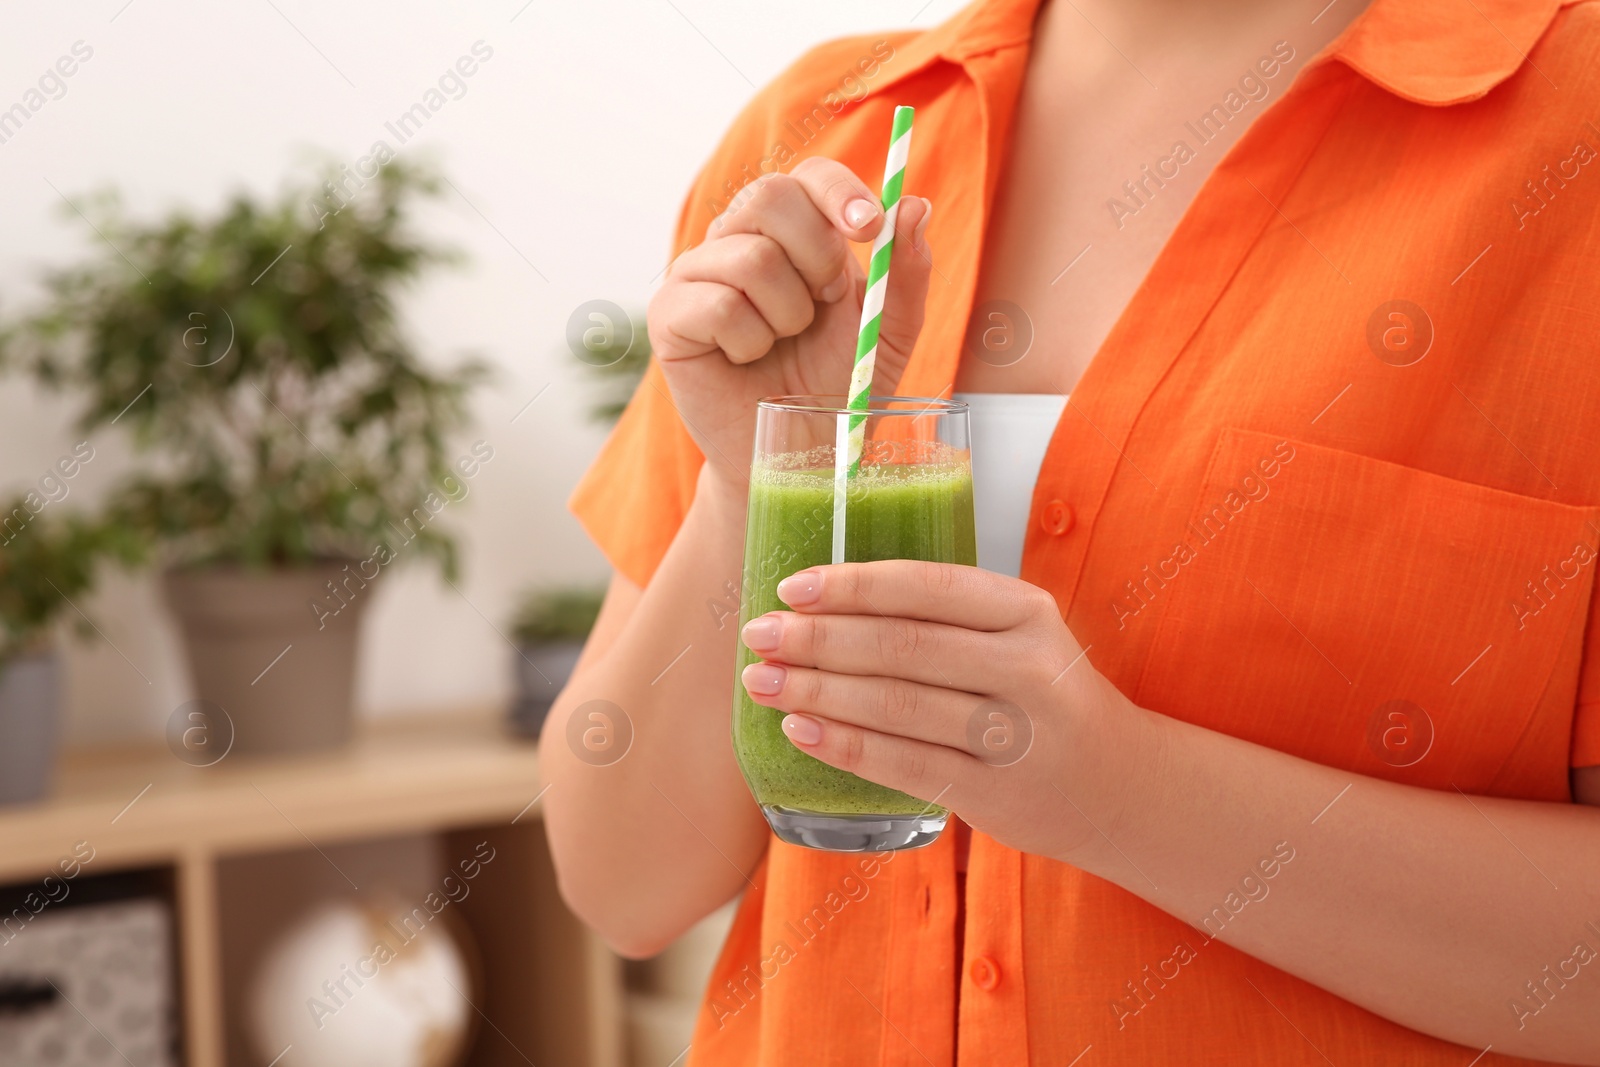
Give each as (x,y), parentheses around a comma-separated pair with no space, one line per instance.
(1342,449)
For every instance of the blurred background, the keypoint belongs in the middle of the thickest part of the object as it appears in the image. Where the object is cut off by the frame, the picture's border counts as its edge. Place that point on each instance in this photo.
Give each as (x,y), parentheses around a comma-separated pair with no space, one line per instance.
(570,151)
(312,305)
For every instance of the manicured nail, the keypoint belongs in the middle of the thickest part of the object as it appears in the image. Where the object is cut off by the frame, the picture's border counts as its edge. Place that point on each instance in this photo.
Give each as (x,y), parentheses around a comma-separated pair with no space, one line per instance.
(859,212)
(800,588)
(761,635)
(836,288)
(764,679)
(801,730)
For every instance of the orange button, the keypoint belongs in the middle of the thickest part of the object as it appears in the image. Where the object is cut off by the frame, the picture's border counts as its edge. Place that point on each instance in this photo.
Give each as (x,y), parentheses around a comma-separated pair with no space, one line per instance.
(985,973)
(1056,517)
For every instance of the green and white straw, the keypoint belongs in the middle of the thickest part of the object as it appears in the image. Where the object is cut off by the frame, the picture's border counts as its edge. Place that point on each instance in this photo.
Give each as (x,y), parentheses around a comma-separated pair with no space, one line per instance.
(851,430)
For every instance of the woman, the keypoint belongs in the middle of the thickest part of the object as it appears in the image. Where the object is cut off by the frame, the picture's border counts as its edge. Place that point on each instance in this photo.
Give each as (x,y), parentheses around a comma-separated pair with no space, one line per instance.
(1303,629)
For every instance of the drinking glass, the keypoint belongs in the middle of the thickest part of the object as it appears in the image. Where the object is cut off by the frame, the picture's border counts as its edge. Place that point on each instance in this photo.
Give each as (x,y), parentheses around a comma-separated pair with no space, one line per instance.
(911,498)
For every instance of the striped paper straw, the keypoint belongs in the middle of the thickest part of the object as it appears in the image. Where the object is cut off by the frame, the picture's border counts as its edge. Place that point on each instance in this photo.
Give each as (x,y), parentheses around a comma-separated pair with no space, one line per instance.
(851,430)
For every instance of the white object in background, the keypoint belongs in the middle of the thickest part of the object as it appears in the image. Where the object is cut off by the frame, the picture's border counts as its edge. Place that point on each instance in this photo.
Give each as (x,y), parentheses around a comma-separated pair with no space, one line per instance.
(89,984)
(347,988)
(1010,434)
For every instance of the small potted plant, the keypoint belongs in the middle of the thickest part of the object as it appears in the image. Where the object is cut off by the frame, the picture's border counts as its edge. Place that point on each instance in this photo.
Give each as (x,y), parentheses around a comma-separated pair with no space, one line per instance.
(549,628)
(47,563)
(294,440)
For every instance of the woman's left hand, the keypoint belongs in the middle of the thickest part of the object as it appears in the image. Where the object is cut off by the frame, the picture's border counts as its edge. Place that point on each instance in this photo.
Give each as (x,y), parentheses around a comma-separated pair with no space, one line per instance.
(956,685)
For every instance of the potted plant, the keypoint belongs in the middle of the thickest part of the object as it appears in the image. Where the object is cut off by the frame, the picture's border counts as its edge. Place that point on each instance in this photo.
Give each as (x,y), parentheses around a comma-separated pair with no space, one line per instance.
(549,628)
(47,562)
(294,440)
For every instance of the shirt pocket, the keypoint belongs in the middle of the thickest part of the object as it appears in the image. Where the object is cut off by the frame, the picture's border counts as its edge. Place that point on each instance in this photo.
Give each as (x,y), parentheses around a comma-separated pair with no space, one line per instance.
(1366,615)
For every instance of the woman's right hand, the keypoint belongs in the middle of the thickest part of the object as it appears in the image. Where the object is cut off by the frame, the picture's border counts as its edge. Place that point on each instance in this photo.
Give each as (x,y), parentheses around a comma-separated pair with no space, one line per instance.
(769,304)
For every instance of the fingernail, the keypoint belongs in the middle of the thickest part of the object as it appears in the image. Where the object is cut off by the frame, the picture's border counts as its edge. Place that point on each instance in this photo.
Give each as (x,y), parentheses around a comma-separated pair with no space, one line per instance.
(922,227)
(800,588)
(764,679)
(836,288)
(761,635)
(801,730)
(859,212)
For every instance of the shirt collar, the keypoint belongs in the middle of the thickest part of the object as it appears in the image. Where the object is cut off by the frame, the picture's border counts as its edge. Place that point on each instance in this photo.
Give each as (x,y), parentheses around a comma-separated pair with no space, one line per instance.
(1427,51)
(980,27)
(1443,51)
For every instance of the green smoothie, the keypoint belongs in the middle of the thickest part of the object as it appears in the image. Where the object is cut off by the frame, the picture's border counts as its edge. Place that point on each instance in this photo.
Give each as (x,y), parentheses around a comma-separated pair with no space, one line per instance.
(896,511)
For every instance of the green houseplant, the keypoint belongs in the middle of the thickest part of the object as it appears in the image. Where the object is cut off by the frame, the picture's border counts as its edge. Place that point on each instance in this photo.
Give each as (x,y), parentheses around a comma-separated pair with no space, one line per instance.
(550,625)
(556,615)
(294,441)
(47,562)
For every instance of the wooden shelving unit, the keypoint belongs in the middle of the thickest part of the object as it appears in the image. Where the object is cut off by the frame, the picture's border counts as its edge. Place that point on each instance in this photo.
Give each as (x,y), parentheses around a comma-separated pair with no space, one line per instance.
(552,992)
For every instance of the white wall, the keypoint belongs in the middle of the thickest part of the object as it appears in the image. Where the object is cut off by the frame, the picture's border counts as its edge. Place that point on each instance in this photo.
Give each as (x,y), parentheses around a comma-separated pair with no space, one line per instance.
(577,140)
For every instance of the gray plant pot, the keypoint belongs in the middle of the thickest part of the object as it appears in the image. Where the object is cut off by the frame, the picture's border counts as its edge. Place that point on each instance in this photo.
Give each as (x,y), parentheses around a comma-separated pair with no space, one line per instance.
(283,671)
(30,714)
(541,671)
